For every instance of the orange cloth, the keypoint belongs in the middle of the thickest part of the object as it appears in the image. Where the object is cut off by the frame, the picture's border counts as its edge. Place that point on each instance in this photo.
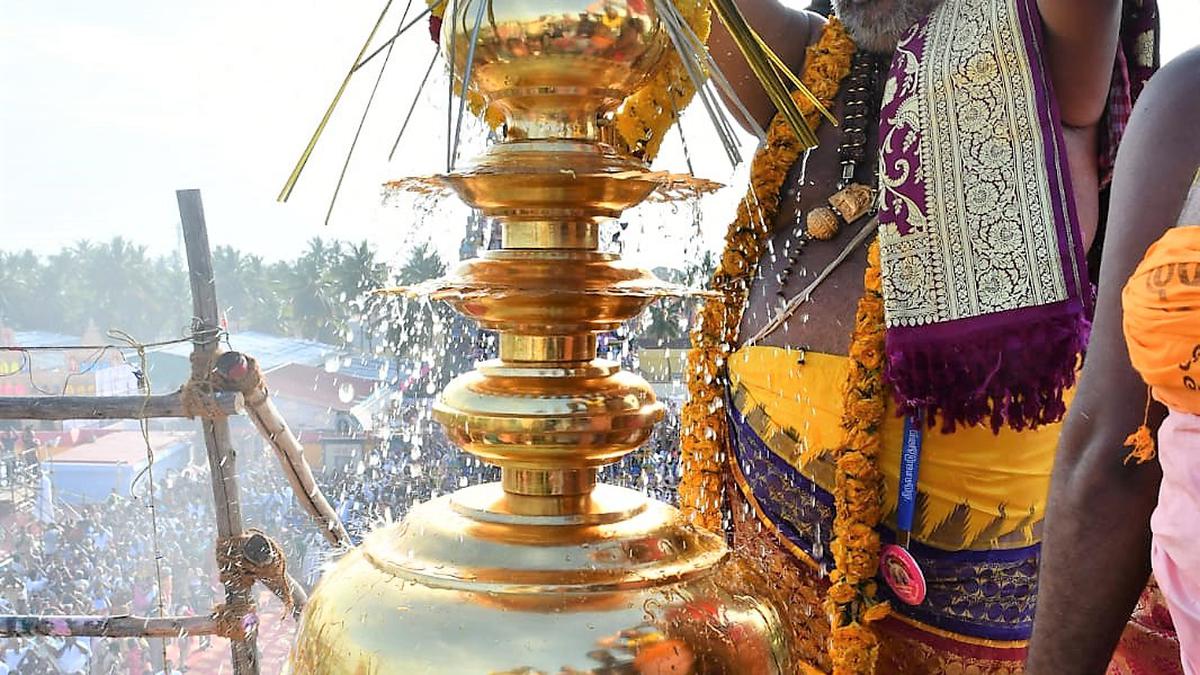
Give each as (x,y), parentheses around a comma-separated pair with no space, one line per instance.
(1162,319)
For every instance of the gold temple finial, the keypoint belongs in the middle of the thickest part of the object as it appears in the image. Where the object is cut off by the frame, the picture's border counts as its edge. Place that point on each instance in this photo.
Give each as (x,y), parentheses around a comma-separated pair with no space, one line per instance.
(547,571)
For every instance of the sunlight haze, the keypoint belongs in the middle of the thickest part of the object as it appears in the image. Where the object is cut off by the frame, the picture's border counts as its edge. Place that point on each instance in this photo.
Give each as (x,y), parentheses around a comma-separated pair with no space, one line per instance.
(108,108)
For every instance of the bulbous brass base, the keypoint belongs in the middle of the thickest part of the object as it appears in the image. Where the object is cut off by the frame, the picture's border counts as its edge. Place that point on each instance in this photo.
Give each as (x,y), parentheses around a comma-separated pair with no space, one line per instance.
(473,583)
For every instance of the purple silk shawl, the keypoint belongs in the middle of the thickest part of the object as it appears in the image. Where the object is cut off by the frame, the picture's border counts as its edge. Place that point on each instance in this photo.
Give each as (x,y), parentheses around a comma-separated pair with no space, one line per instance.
(986,293)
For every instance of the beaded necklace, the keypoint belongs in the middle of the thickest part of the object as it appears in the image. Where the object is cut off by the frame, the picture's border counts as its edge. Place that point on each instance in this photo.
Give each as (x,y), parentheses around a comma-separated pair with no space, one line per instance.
(853,200)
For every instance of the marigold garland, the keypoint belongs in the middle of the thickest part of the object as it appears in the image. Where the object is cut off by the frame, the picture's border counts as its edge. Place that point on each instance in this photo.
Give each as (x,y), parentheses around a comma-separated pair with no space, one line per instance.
(644,118)
(858,491)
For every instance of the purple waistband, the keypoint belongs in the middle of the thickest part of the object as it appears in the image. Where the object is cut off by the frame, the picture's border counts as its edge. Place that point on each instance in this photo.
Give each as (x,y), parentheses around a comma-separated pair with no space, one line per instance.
(981,594)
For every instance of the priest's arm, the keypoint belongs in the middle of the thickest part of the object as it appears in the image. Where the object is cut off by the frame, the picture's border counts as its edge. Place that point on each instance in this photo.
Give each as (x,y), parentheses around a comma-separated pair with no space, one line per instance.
(1096,551)
(787,31)
(1081,45)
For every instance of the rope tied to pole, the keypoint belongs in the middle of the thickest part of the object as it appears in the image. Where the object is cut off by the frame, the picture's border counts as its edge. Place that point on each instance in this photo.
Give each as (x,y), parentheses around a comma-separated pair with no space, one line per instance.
(253,557)
(198,394)
(234,371)
(237,372)
(236,621)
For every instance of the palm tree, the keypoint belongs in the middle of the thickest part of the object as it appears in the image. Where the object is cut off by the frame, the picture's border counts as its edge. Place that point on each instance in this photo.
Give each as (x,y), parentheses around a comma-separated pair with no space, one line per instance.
(114,284)
(20,300)
(666,321)
(422,264)
(308,288)
(125,299)
(356,276)
(409,327)
(413,321)
(661,325)
(248,294)
(358,271)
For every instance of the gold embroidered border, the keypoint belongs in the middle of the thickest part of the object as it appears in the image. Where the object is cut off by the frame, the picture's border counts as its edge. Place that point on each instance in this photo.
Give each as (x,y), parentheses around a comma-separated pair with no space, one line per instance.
(985,239)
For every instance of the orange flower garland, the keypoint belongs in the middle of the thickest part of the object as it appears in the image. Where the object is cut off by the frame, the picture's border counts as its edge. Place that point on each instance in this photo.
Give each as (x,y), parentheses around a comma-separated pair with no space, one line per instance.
(858,491)
(644,118)
(703,417)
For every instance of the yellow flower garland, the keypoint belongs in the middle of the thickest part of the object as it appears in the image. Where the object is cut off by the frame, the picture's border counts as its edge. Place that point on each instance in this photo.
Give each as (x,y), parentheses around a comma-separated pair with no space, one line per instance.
(858,490)
(644,118)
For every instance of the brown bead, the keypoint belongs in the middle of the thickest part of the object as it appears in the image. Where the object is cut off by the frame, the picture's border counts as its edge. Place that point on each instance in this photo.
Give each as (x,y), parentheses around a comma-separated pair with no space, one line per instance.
(853,153)
(823,223)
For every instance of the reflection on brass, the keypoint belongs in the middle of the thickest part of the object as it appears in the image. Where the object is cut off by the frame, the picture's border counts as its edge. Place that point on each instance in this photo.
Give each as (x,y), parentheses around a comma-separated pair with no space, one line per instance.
(557,68)
(546,572)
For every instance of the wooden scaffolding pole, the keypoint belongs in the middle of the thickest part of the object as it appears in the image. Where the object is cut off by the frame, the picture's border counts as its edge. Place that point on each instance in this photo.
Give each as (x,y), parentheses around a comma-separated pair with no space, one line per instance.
(108,407)
(241,373)
(221,455)
(107,626)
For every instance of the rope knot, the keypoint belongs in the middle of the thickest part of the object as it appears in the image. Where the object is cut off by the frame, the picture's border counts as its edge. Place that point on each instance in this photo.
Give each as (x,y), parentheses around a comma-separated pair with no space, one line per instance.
(236,621)
(197,394)
(250,557)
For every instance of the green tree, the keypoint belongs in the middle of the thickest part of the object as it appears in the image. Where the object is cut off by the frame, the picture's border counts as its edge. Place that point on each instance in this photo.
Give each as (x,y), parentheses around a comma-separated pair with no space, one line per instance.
(318,295)
(21,298)
(409,325)
(113,284)
(423,264)
(667,321)
(248,293)
(308,286)
(355,277)
(356,273)
(413,330)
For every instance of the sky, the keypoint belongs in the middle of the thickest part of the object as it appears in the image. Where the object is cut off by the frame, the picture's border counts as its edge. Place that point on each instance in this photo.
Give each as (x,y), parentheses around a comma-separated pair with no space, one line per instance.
(107,108)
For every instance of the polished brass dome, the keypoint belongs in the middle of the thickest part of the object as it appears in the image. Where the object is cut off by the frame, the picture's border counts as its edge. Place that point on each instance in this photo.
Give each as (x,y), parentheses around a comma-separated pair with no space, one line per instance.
(554,67)
(465,585)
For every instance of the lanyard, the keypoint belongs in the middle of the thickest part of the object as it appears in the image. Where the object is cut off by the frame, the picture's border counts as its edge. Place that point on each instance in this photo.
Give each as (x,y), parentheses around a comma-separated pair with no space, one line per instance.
(897,565)
(910,463)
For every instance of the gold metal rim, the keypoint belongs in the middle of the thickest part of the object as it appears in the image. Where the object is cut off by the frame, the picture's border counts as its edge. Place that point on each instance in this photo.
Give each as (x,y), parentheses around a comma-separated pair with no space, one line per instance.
(522,555)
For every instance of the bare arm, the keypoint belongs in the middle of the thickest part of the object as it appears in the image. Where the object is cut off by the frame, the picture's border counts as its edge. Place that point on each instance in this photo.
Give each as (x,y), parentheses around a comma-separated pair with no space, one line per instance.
(787,31)
(1095,556)
(1081,44)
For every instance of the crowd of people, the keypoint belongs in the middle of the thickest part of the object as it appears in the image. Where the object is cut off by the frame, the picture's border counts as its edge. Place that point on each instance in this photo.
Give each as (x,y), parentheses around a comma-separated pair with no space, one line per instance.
(99,559)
